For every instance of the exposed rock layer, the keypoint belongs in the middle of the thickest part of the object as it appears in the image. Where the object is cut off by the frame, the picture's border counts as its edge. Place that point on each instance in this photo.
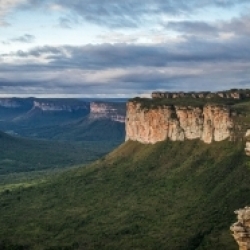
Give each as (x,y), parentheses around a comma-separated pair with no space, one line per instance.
(229,94)
(113,111)
(50,106)
(177,123)
(247,148)
(241,229)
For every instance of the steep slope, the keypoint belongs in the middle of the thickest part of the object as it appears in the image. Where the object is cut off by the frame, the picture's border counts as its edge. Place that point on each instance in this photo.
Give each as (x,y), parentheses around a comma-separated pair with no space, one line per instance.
(170,195)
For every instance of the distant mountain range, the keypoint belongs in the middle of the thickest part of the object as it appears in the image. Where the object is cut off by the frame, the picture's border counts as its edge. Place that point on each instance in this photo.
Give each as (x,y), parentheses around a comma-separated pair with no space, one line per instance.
(70,119)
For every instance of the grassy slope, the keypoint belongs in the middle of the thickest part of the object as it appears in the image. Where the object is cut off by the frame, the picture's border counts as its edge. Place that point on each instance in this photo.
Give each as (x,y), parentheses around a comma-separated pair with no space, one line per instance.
(22,155)
(172,195)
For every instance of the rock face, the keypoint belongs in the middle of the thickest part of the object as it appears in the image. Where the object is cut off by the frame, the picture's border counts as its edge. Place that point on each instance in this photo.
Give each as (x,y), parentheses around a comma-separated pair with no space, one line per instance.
(247,148)
(51,106)
(176,123)
(241,229)
(113,111)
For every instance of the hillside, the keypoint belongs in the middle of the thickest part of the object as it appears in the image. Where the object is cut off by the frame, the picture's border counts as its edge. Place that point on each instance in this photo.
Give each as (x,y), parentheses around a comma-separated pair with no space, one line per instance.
(85,129)
(170,195)
(24,155)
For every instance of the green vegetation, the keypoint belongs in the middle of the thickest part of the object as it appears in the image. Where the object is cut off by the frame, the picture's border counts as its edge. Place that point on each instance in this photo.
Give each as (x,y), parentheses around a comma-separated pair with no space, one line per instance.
(187,101)
(24,155)
(171,195)
(84,130)
(243,107)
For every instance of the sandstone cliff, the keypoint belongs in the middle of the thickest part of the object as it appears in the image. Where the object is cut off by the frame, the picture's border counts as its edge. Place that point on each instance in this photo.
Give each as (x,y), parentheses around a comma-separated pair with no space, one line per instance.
(247,148)
(113,111)
(53,106)
(241,229)
(177,123)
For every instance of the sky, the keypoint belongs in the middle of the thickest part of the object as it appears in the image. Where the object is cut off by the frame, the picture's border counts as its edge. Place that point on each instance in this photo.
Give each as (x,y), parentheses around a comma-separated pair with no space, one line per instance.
(115,48)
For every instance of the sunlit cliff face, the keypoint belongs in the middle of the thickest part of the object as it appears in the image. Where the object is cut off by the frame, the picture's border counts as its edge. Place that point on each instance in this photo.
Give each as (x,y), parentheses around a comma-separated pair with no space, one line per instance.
(210,123)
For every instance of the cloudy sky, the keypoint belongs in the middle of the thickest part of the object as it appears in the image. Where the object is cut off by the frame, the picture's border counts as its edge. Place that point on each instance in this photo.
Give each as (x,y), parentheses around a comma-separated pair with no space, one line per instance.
(113,48)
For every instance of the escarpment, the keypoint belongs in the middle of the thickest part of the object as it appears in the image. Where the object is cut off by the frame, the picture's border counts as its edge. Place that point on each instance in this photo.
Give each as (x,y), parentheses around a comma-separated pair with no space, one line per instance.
(177,123)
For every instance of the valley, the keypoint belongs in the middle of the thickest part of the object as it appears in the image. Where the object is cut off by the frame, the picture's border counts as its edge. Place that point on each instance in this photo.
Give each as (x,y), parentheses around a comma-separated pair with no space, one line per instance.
(49,118)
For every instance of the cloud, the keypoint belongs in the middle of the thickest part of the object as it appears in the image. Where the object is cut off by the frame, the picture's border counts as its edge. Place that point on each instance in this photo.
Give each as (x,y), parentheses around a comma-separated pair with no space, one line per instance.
(3,23)
(7,6)
(27,38)
(193,28)
(106,56)
(130,13)
(65,23)
(193,63)
(239,26)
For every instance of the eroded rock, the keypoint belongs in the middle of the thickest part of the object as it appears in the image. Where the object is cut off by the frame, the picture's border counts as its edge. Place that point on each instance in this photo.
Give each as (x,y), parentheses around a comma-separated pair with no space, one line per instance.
(177,123)
(241,229)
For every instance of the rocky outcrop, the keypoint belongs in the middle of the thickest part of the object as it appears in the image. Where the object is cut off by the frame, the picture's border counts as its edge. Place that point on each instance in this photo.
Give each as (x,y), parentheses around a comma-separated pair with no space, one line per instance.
(241,229)
(229,94)
(113,111)
(53,106)
(177,123)
(247,148)
(217,123)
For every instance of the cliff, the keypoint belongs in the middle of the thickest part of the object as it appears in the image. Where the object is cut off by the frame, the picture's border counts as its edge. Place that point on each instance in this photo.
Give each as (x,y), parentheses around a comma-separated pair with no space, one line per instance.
(241,229)
(247,148)
(59,106)
(113,111)
(177,123)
